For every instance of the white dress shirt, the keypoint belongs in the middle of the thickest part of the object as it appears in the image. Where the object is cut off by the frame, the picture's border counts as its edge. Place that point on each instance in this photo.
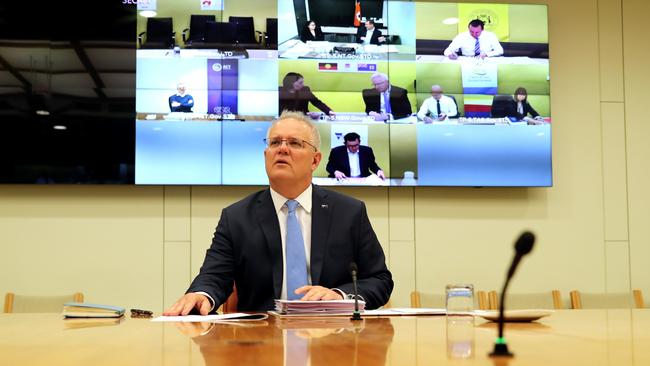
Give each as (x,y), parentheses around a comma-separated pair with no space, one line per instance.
(430,105)
(383,96)
(488,42)
(355,168)
(369,34)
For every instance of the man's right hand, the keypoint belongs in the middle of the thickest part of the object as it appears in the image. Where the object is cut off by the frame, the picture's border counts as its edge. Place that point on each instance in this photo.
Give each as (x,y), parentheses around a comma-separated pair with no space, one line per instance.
(339,175)
(453,56)
(428,119)
(188,302)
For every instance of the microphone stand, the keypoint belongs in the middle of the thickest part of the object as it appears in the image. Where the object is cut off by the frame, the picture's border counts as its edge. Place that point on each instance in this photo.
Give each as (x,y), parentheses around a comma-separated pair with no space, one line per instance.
(500,345)
(356,315)
(523,246)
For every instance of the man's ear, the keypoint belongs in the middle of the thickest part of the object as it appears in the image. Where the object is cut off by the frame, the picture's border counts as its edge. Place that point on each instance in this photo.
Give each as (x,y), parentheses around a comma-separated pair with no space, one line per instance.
(317,158)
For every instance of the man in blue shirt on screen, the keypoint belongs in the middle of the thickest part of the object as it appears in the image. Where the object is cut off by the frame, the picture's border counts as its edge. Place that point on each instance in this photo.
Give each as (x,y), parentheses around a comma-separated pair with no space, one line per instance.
(181,102)
(292,240)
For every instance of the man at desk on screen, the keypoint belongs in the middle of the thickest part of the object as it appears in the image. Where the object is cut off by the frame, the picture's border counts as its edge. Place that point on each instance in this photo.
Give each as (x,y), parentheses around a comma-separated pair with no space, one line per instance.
(475,42)
(293,240)
(352,159)
(369,34)
(181,102)
(437,107)
(386,100)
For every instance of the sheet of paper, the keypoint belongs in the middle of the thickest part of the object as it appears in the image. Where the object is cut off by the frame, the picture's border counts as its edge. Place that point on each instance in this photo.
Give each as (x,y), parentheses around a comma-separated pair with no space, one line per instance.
(211,318)
(404,311)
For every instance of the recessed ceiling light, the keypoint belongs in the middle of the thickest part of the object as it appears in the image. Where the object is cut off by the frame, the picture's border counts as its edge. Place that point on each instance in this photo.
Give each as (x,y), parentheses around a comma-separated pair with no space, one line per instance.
(60,127)
(42,112)
(450,21)
(148,13)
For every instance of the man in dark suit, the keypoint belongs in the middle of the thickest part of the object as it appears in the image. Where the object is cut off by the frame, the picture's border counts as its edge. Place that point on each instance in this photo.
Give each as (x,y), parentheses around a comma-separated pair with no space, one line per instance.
(386,100)
(352,159)
(369,34)
(293,240)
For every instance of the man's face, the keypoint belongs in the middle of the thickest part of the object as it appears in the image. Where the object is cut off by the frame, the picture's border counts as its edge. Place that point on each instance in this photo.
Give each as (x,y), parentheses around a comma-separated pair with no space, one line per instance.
(181,89)
(353,146)
(475,31)
(381,84)
(285,163)
(369,26)
(436,93)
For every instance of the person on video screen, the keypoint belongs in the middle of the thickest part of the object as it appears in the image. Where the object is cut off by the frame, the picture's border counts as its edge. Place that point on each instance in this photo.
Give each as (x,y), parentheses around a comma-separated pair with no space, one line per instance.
(312,32)
(278,243)
(296,96)
(368,34)
(437,107)
(519,108)
(181,101)
(386,100)
(352,160)
(475,42)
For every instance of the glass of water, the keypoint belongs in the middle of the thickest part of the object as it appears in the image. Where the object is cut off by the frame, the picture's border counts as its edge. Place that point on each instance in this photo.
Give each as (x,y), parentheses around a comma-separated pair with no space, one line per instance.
(460,299)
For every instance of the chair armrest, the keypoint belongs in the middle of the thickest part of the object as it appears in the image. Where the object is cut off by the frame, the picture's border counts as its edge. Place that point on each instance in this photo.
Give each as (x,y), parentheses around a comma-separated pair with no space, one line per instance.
(140,37)
(184,34)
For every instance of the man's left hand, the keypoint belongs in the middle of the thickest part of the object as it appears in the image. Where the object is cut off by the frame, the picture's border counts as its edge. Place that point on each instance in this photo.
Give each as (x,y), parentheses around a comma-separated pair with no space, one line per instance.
(315,293)
(380,174)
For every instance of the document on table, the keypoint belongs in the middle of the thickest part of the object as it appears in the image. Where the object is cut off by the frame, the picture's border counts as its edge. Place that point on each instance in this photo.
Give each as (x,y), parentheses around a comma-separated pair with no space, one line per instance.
(212,318)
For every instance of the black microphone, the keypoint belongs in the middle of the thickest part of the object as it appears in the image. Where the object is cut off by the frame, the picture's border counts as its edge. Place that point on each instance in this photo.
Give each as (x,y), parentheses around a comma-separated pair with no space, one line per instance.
(356,315)
(523,246)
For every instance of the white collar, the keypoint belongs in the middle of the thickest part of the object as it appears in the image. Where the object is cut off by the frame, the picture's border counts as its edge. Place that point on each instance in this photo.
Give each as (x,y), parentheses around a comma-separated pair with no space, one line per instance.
(304,199)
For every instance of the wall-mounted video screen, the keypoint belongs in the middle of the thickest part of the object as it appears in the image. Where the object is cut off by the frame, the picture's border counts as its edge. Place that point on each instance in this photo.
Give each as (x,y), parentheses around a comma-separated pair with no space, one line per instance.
(435,94)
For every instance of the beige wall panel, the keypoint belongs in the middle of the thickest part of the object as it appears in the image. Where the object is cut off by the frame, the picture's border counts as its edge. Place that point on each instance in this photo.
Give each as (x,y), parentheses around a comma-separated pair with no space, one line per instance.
(402,220)
(177,213)
(617,272)
(637,95)
(103,240)
(176,271)
(614,171)
(207,203)
(401,266)
(610,34)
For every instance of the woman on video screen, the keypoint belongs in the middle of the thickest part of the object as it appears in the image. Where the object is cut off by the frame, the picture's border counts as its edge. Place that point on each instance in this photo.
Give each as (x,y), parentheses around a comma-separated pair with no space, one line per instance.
(296,96)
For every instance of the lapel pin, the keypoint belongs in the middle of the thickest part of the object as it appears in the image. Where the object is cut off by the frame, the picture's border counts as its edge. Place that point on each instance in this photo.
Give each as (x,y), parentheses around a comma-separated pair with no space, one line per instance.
(323,206)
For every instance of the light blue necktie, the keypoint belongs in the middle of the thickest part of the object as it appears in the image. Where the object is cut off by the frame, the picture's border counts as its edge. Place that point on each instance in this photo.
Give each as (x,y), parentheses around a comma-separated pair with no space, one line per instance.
(389,110)
(296,259)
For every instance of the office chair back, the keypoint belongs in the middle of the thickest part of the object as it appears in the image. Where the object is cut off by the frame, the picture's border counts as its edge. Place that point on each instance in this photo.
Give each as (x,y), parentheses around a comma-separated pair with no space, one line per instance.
(245,31)
(539,300)
(271,33)
(197,29)
(221,34)
(159,34)
(500,105)
(621,300)
(38,304)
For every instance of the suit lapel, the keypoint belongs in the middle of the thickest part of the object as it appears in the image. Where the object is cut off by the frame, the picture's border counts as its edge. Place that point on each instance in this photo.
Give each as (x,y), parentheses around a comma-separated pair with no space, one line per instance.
(268,220)
(346,162)
(320,226)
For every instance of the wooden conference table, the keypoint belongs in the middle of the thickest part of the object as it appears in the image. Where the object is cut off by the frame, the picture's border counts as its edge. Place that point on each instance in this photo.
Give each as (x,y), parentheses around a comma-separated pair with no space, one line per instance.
(568,337)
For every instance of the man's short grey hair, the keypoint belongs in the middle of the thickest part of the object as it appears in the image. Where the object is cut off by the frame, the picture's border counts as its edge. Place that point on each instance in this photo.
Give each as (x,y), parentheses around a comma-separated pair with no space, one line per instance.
(379,74)
(315,134)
